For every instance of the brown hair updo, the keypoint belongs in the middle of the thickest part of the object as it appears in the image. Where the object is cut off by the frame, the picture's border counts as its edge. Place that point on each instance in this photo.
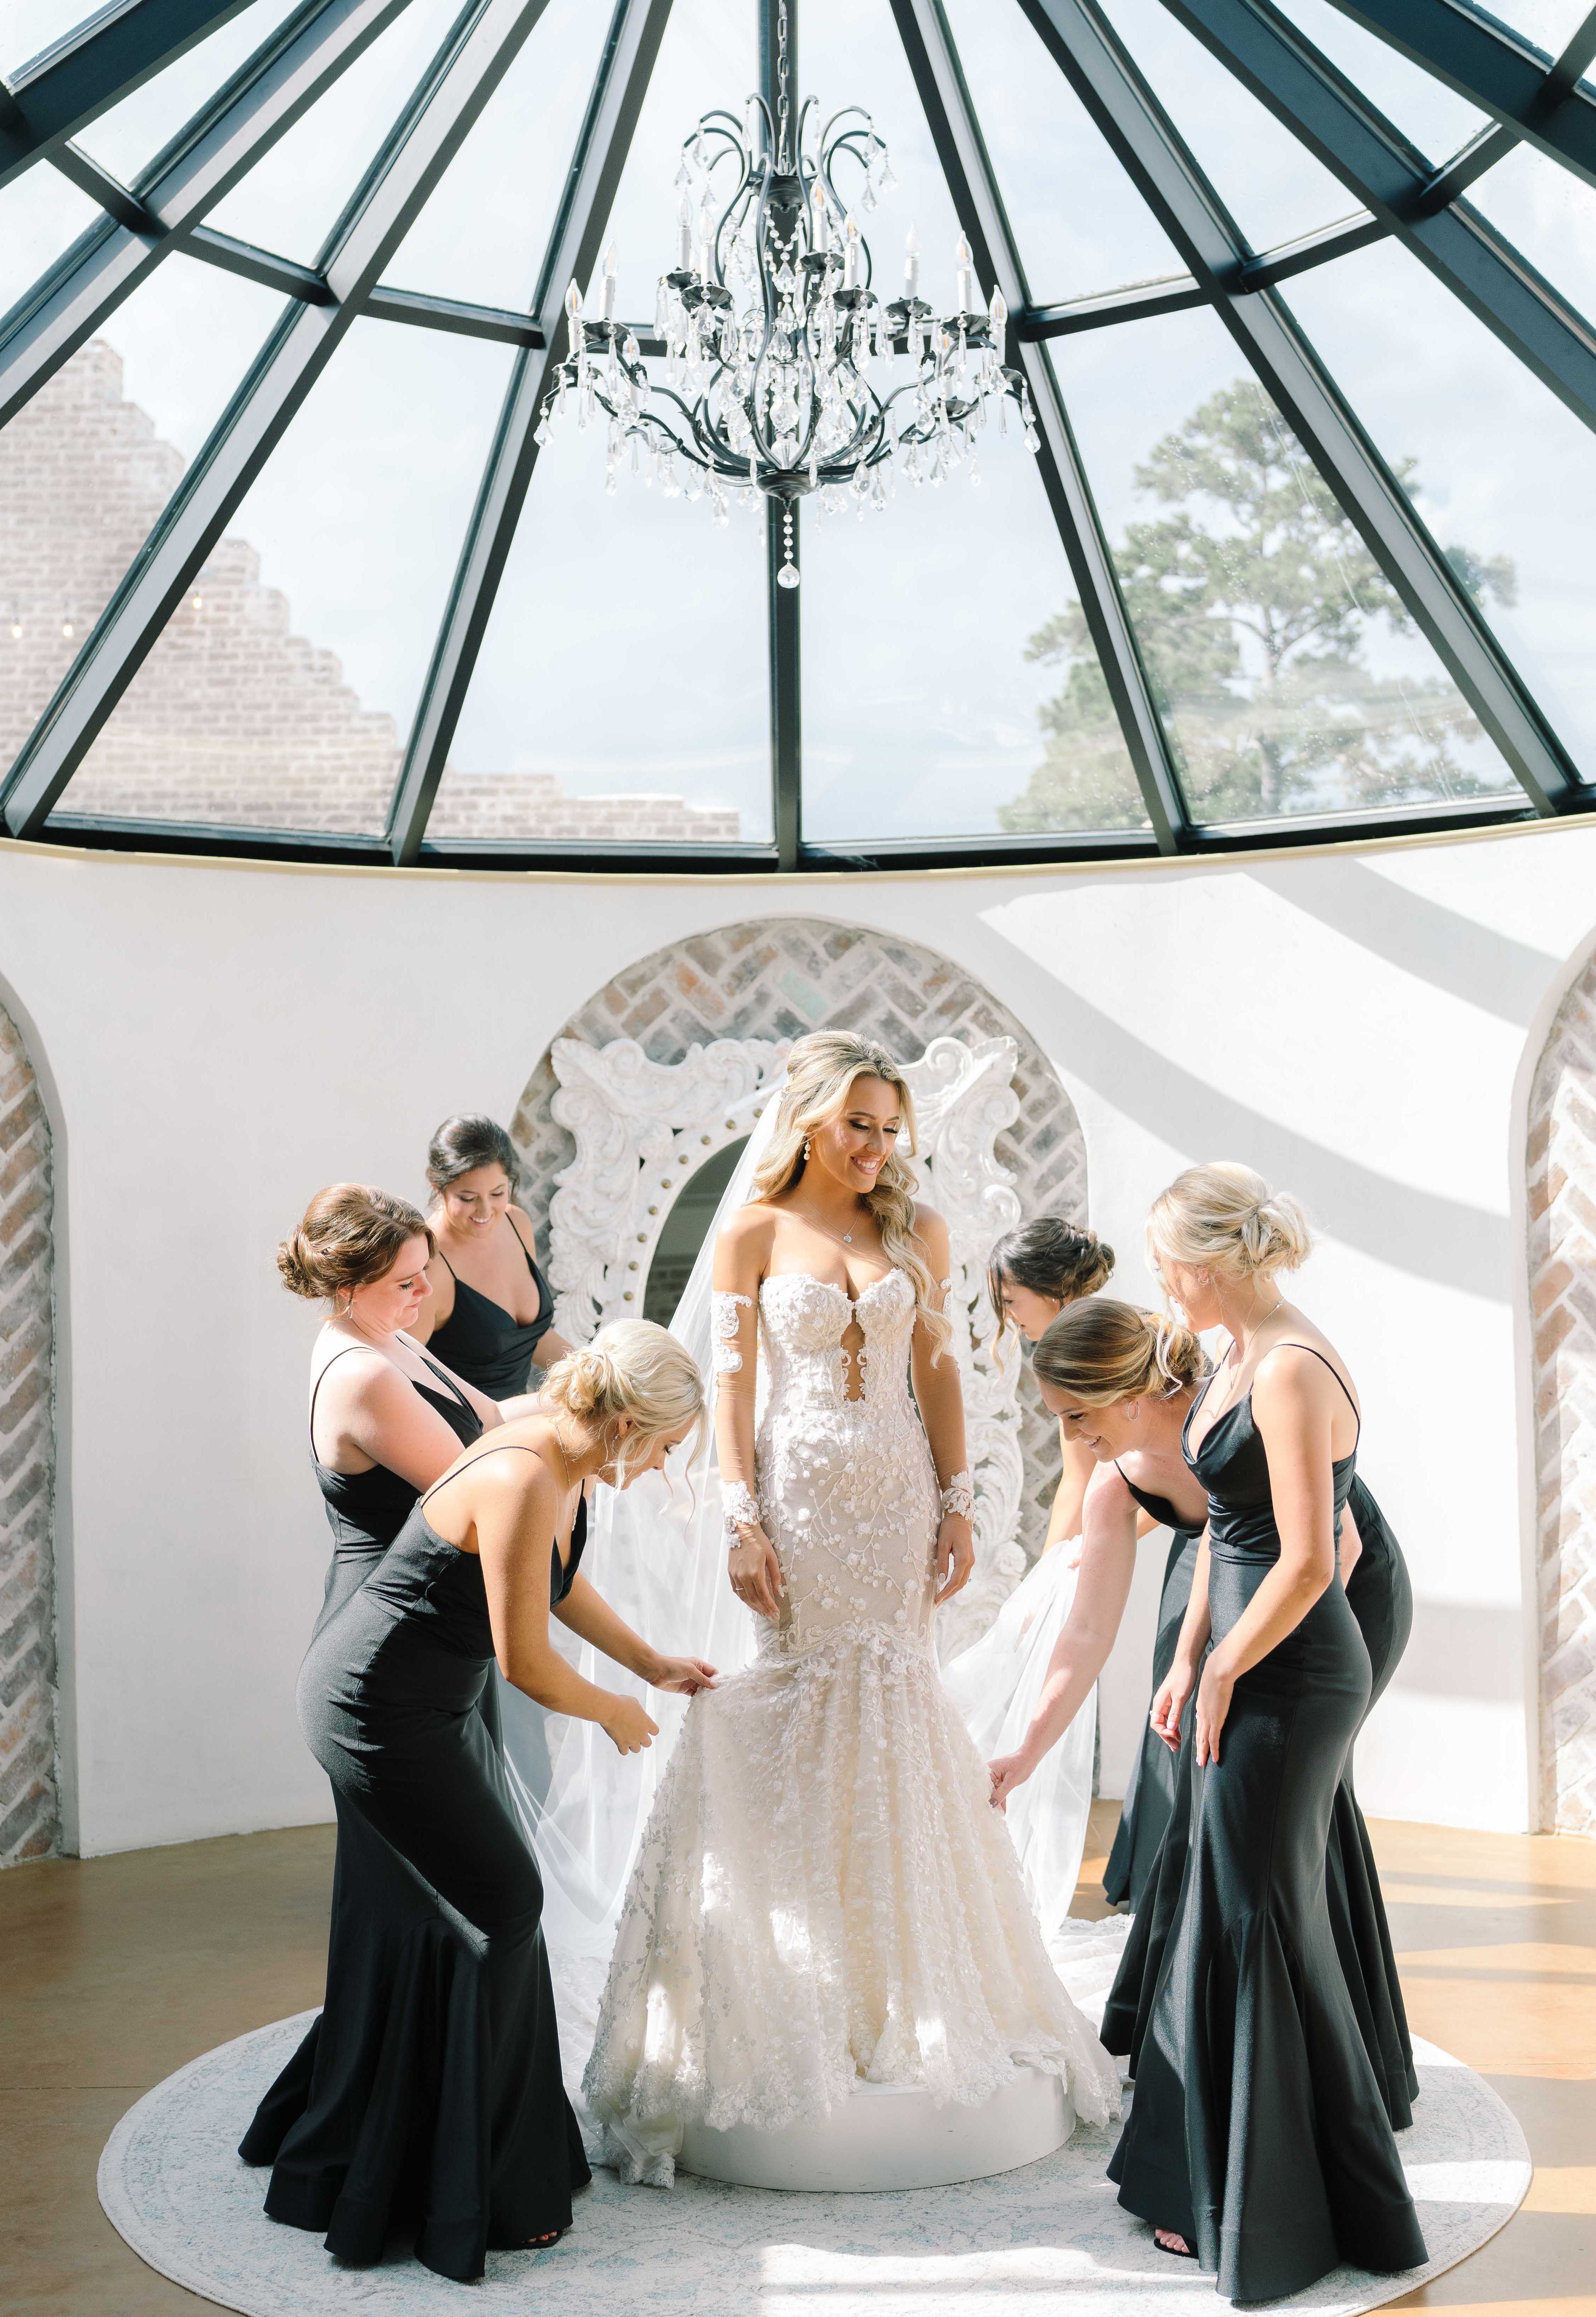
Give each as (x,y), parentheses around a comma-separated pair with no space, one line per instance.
(1060,1260)
(1102,1351)
(350,1235)
(465,1143)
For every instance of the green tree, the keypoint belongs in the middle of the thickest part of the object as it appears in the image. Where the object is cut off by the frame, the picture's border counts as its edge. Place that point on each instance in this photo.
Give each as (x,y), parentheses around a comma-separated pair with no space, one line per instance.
(1253,601)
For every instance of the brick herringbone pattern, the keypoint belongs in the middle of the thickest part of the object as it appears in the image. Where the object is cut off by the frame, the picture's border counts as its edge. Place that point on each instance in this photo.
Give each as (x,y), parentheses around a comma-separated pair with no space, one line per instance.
(1561,1178)
(780,977)
(27,1625)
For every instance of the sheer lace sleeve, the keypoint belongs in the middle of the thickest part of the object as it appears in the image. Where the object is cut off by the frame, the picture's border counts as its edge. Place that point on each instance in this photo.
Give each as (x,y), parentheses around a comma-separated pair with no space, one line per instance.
(726,1318)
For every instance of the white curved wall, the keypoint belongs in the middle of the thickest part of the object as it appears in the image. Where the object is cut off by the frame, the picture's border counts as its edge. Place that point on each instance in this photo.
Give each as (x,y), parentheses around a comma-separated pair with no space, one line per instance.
(222,1039)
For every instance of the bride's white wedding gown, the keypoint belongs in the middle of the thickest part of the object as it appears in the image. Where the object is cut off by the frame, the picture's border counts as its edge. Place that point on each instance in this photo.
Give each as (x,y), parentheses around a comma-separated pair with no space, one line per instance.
(824,1892)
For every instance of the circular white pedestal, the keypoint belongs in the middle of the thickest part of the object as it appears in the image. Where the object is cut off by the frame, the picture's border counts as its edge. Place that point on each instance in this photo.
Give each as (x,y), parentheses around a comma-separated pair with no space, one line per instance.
(891,2137)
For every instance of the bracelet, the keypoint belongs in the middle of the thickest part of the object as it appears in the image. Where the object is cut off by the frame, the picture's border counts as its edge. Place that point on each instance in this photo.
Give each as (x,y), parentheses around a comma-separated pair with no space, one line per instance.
(740,1507)
(959,1497)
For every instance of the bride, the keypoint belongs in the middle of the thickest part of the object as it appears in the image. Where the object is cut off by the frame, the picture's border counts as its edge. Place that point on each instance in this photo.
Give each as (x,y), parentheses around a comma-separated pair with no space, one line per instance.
(822,1892)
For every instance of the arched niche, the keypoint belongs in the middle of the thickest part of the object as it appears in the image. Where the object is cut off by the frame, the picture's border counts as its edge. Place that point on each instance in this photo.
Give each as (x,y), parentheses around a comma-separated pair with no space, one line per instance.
(1561,1169)
(29,1801)
(622,1078)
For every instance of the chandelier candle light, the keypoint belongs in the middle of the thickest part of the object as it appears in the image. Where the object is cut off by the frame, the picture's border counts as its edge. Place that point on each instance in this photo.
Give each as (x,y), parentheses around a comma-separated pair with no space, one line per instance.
(782,368)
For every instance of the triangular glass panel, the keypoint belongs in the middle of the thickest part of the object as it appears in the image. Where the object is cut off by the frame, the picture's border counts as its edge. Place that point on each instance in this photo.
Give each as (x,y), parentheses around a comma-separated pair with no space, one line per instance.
(1291,681)
(130,134)
(1081,225)
(41,215)
(1549,24)
(88,464)
(292,198)
(1503,474)
(1550,215)
(621,696)
(1429,113)
(482,235)
(1273,185)
(708,57)
(280,690)
(28,27)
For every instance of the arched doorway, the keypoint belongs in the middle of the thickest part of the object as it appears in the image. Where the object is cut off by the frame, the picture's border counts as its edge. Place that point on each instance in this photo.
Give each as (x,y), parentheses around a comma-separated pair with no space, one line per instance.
(1561,1165)
(762,983)
(28,1802)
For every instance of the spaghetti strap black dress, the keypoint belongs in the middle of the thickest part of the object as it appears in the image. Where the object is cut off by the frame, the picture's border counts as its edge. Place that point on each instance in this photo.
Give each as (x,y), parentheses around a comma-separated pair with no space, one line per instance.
(1381,1596)
(483,1343)
(436,2107)
(365,1512)
(1150,1791)
(1258,2130)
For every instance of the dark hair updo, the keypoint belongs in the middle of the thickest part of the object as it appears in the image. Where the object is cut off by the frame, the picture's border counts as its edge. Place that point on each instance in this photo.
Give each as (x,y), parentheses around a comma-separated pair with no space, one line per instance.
(465,1143)
(1051,1257)
(350,1235)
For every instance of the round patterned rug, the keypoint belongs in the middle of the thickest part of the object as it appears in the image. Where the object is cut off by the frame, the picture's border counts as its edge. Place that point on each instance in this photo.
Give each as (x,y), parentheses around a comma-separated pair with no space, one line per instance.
(1051,2232)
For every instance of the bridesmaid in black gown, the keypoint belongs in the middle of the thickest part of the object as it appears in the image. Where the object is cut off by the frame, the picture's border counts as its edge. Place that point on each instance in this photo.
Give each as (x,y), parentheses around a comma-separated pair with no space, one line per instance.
(1381,1596)
(436,2109)
(1119,1381)
(386,1421)
(1035,1273)
(1258,2139)
(491,1316)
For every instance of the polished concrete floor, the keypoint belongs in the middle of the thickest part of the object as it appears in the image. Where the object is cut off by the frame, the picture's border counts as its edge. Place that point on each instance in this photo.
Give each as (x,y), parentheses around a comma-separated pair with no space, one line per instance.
(117,1970)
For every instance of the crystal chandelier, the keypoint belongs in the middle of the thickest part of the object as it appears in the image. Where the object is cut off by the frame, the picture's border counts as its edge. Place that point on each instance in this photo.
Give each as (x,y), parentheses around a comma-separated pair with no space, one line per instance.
(784,372)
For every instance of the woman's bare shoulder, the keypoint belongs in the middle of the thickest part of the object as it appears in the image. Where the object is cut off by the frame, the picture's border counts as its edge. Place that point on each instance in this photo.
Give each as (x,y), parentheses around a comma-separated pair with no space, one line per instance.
(749,1228)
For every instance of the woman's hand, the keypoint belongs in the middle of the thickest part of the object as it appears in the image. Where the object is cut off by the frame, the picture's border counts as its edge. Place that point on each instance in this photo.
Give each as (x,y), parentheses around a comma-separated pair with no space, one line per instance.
(684,1675)
(956,1554)
(1007,1772)
(755,1572)
(1169,1702)
(629,1727)
(1213,1705)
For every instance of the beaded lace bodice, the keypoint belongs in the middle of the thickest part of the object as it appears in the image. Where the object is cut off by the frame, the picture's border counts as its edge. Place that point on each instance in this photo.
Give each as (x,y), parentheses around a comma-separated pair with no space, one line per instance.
(847,1488)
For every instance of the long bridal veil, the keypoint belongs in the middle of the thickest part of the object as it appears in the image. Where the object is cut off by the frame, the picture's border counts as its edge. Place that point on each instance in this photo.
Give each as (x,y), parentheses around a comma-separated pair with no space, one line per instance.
(656,1552)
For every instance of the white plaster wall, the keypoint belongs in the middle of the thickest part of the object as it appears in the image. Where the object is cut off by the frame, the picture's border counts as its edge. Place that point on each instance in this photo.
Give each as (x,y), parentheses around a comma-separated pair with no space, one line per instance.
(223,1039)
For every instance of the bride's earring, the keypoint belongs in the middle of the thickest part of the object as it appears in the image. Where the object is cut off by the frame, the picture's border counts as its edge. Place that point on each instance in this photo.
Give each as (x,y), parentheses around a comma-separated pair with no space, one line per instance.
(806,1146)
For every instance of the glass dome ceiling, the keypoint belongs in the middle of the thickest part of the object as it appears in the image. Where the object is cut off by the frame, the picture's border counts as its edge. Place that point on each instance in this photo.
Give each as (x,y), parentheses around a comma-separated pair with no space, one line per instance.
(1300,294)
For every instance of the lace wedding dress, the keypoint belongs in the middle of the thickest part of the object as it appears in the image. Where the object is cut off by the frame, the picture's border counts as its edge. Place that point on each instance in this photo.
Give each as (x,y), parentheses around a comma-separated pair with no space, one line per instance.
(823,1891)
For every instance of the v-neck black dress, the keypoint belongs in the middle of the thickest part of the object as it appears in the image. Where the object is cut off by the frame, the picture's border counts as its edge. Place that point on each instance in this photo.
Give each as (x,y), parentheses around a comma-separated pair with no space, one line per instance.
(1258,2129)
(481,1341)
(435,2105)
(1150,1789)
(1381,1596)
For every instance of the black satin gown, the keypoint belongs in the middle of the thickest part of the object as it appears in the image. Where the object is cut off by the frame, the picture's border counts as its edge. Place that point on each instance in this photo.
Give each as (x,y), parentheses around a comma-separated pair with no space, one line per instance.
(1381,1596)
(1150,1791)
(483,1343)
(434,2104)
(1258,2130)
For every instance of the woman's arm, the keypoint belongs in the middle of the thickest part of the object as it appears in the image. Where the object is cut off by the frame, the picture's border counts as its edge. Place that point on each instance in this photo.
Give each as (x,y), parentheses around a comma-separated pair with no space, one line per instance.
(1079,1465)
(586,1611)
(1107,1563)
(514,1515)
(939,1396)
(740,1253)
(367,1405)
(1169,1699)
(1295,1401)
(550,1347)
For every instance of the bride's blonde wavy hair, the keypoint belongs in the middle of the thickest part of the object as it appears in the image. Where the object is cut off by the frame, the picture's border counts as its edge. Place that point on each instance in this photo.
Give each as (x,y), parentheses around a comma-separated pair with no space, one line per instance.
(821,1069)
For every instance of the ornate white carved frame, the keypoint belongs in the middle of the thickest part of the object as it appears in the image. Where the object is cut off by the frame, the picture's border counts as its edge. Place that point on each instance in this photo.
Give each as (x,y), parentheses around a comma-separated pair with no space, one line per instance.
(642,1127)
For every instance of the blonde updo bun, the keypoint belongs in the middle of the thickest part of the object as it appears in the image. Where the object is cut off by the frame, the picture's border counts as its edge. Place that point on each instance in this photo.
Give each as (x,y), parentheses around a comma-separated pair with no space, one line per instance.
(634,1369)
(1100,1350)
(1223,1217)
(350,1235)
